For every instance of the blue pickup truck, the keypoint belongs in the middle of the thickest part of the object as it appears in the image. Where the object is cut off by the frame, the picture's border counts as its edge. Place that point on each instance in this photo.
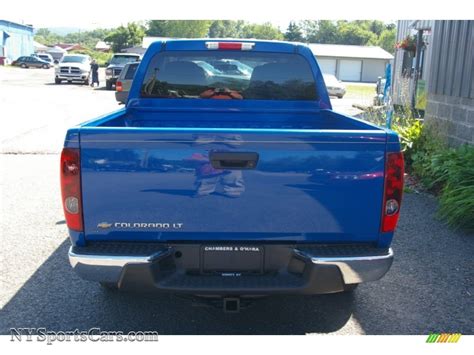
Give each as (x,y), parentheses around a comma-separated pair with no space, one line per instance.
(229,175)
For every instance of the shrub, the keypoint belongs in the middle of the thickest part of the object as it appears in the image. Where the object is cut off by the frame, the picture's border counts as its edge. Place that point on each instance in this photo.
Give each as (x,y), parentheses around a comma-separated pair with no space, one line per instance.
(410,138)
(427,159)
(449,172)
(405,124)
(456,172)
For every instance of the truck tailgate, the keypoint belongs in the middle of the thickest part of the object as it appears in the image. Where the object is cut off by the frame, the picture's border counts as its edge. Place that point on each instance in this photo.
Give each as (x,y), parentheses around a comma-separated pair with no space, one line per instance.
(177,184)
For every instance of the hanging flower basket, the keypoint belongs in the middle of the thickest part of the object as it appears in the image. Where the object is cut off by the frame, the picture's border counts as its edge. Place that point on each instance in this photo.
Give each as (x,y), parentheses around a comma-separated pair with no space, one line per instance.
(408,44)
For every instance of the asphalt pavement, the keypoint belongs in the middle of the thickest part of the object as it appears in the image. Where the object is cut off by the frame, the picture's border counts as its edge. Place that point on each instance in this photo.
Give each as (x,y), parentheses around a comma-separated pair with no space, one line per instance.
(36,112)
(428,289)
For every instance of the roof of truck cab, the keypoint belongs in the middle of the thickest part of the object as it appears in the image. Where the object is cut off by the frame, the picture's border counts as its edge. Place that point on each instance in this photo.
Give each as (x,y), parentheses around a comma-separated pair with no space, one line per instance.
(246,40)
(199,44)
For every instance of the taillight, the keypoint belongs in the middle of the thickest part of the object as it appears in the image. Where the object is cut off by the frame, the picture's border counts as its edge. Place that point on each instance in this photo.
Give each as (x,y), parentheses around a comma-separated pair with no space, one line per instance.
(118,86)
(393,190)
(71,188)
(235,46)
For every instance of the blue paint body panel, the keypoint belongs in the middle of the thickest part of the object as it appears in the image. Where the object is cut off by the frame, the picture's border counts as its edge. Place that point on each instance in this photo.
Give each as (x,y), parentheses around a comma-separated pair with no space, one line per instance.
(147,176)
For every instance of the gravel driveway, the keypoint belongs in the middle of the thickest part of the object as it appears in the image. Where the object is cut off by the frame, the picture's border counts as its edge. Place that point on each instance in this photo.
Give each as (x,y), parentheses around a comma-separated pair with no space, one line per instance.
(429,288)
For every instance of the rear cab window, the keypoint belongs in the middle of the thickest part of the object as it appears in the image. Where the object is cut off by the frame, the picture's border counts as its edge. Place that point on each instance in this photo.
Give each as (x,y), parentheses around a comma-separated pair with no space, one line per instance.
(132,68)
(229,75)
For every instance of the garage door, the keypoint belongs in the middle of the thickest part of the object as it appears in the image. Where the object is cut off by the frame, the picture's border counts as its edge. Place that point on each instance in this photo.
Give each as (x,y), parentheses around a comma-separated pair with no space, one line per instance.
(349,70)
(328,66)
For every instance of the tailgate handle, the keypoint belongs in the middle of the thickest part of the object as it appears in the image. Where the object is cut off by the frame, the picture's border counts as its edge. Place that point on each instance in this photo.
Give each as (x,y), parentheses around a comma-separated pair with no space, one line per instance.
(233,160)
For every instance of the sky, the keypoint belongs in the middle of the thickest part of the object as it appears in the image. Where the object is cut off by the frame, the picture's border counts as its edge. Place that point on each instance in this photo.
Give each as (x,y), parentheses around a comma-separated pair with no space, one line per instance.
(105,23)
(89,14)
(92,14)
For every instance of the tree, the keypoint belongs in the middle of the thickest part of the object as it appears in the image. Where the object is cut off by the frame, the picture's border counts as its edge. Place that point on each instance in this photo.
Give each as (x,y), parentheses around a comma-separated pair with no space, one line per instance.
(87,38)
(125,37)
(360,32)
(178,28)
(387,40)
(293,33)
(353,33)
(323,31)
(136,33)
(328,32)
(226,29)
(43,32)
(119,39)
(46,37)
(309,29)
(262,31)
(155,28)
(376,27)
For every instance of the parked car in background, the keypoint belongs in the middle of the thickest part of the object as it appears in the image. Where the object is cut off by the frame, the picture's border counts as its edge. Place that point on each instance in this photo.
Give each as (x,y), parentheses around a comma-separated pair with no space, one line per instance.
(335,87)
(116,65)
(124,82)
(45,56)
(73,67)
(31,62)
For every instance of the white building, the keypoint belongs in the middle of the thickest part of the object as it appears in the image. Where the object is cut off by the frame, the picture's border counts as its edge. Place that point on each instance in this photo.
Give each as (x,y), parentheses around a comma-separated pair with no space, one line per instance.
(352,63)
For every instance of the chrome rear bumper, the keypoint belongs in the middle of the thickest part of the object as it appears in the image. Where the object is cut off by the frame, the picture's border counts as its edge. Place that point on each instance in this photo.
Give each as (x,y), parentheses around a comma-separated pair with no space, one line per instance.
(107,268)
(359,269)
(289,269)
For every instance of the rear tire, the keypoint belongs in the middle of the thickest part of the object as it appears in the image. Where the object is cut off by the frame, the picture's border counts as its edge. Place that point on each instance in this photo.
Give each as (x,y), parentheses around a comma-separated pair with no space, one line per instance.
(109,286)
(45,66)
(23,65)
(340,96)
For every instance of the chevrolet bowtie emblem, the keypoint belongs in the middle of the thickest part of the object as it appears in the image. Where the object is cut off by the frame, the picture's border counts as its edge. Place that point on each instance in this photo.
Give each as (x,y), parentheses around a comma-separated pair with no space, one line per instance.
(104,225)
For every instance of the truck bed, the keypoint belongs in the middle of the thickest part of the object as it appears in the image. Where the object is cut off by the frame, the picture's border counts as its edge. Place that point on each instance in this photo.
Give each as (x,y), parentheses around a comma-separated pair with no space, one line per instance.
(319,177)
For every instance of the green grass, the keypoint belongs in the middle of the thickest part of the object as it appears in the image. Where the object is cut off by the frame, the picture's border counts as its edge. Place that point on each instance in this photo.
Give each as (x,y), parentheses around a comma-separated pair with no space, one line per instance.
(360,90)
